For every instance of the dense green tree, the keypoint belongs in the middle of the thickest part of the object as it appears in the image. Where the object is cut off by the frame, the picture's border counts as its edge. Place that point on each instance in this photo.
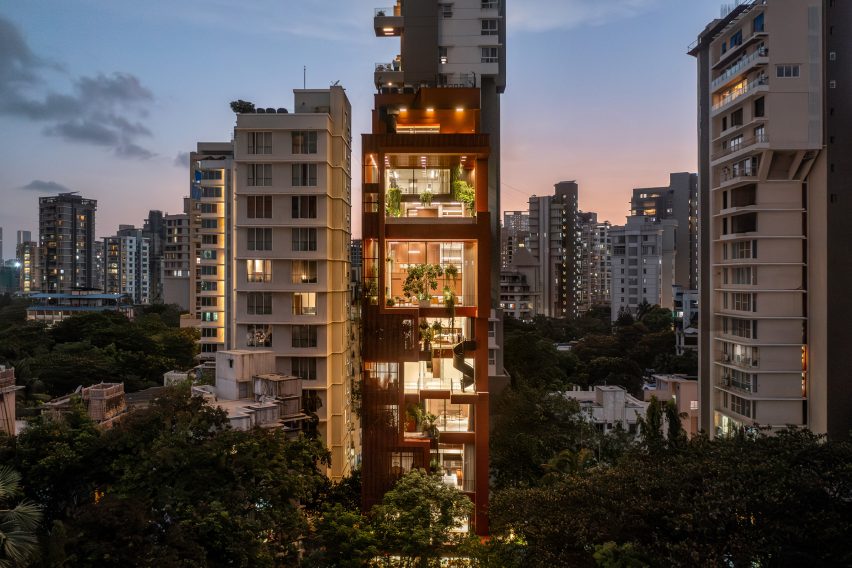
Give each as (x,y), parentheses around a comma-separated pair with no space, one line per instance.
(533,361)
(618,371)
(415,521)
(657,319)
(342,538)
(781,500)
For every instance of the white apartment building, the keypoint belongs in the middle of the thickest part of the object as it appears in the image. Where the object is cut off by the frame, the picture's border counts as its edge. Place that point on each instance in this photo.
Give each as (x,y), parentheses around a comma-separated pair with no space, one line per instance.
(290,248)
(609,406)
(127,260)
(642,264)
(774,171)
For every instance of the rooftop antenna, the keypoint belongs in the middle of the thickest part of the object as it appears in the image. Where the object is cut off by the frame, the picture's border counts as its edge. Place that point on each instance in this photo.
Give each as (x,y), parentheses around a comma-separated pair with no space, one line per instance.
(304,76)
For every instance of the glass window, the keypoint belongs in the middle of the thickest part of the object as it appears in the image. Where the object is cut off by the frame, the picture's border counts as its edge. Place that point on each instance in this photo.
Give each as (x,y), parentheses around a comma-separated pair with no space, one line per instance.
(304,175)
(489,55)
(259,270)
(259,142)
(304,368)
(304,141)
(787,71)
(489,27)
(304,336)
(304,207)
(305,303)
(304,239)
(259,206)
(259,175)
(259,303)
(304,272)
(259,238)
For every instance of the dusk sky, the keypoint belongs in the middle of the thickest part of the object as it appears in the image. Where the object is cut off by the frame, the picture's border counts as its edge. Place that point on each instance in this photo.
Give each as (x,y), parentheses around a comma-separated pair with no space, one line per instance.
(105,97)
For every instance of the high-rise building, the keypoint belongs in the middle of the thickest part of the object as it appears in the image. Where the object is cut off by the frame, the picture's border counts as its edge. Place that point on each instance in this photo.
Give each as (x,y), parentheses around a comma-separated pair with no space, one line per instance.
(678,201)
(643,264)
(595,262)
(445,88)
(515,235)
(555,242)
(23,237)
(291,239)
(774,173)
(154,229)
(520,290)
(127,259)
(211,188)
(28,254)
(177,252)
(67,238)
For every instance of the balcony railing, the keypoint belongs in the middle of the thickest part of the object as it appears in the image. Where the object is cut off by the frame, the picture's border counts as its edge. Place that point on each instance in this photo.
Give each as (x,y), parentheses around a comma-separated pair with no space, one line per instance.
(741,92)
(748,170)
(741,145)
(738,68)
(388,12)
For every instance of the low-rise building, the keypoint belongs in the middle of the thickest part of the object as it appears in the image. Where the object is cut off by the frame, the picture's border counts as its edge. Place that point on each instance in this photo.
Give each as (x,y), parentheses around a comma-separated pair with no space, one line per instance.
(608,406)
(686,320)
(7,400)
(683,391)
(105,403)
(53,308)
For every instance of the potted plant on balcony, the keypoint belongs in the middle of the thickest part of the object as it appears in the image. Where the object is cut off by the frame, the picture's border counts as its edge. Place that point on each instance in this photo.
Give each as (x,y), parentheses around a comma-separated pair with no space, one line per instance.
(463,192)
(429,425)
(426,198)
(393,200)
(425,336)
(420,280)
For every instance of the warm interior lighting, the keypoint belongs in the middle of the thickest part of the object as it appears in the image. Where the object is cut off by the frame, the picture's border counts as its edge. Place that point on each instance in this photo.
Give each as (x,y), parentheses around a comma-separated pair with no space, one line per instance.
(459,109)
(430,109)
(386,30)
(403,109)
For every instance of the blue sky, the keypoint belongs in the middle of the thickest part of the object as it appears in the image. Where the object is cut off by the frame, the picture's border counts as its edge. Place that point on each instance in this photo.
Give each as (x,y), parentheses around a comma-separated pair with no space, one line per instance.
(102,96)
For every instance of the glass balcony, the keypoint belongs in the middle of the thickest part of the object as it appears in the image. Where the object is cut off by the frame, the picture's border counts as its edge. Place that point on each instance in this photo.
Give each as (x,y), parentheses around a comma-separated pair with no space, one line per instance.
(738,92)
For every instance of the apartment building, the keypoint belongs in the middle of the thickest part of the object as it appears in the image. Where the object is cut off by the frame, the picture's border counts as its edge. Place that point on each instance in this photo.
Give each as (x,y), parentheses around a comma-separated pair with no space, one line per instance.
(555,242)
(28,254)
(595,282)
(678,201)
(177,252)
(291,242)
(643,264)
(520,290)
(437,114)
(209,217)
(774,117)
(515,234)
(67,237)
(127,265)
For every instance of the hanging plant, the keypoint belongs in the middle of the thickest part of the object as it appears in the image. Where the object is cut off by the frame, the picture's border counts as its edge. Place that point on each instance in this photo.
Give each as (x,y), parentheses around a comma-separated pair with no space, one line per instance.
(393,200)
(420,280)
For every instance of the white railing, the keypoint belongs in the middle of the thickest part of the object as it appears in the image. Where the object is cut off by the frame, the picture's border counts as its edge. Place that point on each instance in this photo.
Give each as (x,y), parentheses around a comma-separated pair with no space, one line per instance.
(738,68)
(740,92)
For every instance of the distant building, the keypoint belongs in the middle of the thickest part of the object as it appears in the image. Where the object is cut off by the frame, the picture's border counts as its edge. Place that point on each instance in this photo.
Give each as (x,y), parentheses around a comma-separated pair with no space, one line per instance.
(595,271)
(520,288)
(678,201)
(23,237)
(608,407)
(555,243)
(686,320)
(127,264)
(684,392)
(28,254)
(515,235)
(67,238)
(105,404)
(53,308)
(642,264)
(7,400)
(10,277)
(177,253)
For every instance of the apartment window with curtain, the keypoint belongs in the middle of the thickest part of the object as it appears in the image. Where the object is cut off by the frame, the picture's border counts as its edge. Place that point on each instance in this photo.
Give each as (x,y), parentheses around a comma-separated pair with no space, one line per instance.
(259,270)
(259,175)
(304,239)
(259,207)
(259,238)
(304,336)
(304,272)
(304,207)
(259,142)
(305,303)
(304,367)
(304,175)
(259,303)
(304,141)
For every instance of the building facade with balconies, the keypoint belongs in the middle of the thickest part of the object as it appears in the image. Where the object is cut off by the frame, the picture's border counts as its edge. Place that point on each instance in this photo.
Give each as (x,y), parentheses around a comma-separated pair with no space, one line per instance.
(775,229)
(67,239)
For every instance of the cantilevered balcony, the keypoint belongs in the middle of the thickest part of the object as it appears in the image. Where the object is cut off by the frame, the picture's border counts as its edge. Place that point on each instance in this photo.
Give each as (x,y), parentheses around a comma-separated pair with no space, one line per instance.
(739,94)
(740,146)
(757,58)
(388,21)
(388,74)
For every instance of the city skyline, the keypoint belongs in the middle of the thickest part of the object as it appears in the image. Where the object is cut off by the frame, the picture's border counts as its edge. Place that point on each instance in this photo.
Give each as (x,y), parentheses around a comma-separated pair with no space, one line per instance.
(126,117)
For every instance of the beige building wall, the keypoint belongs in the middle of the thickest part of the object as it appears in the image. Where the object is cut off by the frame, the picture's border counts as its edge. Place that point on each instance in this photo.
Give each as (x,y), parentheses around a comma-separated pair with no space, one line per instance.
(292,291)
